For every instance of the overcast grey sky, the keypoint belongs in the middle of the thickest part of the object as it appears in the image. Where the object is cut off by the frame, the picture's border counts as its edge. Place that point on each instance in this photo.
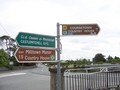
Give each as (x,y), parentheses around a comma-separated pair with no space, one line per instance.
(41,16)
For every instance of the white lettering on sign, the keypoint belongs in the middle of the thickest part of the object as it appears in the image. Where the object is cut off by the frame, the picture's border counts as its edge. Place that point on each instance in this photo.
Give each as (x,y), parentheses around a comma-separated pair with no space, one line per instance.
(45,43)
(74,28)
(23,37)
(20,52)
(46,52)
(44,58)
(32,52)
(80,27)
(74,31)
(21,57)
(30,42)
(40,39)
(48,39)
(33,38)
(88,30)
(31,58)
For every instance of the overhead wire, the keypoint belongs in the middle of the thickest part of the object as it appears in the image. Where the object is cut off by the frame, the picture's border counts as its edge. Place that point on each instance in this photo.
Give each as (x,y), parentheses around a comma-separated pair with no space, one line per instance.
(4,29)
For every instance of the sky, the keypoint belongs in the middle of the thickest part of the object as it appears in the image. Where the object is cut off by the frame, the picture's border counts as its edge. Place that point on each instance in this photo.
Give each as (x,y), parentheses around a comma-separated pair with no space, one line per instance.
(41,17)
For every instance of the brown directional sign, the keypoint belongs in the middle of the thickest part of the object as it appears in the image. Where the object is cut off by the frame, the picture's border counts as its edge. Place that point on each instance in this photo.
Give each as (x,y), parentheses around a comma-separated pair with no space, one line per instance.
(27,55)
(80,29)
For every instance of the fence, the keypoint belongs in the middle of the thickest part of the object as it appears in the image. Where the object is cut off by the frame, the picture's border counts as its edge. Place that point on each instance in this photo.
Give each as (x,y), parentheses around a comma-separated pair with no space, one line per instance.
(90,81)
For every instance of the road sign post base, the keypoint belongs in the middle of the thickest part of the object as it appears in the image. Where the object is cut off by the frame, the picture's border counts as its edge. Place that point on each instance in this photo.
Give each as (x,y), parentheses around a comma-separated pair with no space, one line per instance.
(53,78)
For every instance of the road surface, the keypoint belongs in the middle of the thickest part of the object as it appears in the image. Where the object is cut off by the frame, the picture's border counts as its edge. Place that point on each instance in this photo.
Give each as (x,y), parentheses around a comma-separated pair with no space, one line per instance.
(32,79)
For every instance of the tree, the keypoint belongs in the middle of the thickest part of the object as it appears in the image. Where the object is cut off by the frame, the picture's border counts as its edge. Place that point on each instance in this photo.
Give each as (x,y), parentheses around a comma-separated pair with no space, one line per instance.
(115,61)
(9,46)
(9,43)
(116,57)
(99,58)
(3,58)
(109,58)
(5,40)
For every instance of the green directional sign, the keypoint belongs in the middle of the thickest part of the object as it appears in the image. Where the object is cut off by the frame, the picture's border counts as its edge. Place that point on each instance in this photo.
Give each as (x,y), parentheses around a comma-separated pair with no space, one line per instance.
(35,40)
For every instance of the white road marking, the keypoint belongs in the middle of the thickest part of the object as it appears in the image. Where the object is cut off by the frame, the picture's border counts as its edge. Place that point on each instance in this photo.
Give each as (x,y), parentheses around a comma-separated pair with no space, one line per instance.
(12,74)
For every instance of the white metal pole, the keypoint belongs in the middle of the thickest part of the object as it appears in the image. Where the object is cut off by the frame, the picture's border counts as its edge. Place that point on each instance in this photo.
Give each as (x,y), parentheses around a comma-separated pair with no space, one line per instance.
(58,58)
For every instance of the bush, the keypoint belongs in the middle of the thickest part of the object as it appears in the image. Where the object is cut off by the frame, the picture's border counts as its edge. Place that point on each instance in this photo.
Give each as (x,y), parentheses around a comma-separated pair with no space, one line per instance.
(4,58)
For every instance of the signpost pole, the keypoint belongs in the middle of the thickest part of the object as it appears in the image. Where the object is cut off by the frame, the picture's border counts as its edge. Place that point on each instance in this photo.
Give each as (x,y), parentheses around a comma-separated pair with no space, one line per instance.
(58,58)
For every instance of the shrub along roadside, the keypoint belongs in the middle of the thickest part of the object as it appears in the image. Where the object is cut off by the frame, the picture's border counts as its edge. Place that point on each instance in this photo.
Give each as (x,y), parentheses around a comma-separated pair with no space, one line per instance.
(4,58)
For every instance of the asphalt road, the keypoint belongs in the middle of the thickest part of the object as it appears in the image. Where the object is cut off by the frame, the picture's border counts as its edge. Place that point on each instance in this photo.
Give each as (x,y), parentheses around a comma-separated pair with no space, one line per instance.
(32,79)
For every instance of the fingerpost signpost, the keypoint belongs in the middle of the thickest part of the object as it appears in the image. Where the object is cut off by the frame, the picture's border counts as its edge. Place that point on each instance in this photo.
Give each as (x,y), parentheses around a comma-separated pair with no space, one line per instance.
(41,48)
(72,29)
(80,29)
(24,54)
(35,48)
(35,40)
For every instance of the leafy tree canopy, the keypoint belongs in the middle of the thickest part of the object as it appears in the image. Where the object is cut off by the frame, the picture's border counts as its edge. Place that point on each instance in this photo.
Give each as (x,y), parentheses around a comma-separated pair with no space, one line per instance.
(4,59)
(99,58)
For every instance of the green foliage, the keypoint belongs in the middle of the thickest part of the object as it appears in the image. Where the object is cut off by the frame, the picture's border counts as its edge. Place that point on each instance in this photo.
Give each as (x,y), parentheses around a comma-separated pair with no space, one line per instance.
(99,58)
(100,62)
(109,59)
(4,58)
(82,62)
(115,61)
(116,57)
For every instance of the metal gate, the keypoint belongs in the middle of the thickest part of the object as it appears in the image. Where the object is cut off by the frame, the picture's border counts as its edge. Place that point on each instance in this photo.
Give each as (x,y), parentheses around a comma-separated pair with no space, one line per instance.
(90,81)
